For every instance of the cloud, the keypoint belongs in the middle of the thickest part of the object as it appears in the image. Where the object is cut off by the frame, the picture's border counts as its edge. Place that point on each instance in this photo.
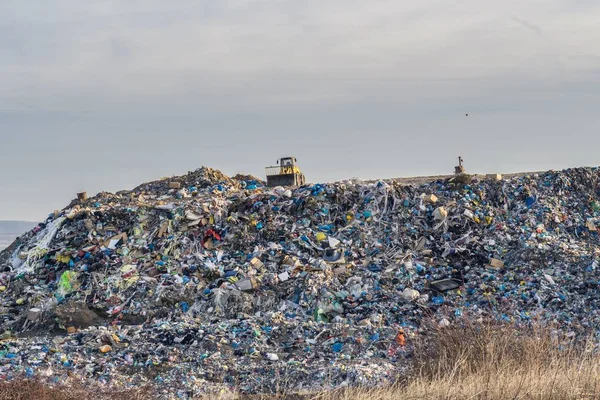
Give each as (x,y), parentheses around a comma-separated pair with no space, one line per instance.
(534,28)
(69,54)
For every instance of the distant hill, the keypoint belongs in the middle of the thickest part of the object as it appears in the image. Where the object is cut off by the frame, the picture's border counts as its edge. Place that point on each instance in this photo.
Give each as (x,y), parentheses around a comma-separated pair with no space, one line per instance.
(9,230)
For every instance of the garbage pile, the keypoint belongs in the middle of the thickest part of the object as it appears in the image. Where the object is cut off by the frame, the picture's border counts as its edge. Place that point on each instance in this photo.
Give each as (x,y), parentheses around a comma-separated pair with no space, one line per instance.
(205,281)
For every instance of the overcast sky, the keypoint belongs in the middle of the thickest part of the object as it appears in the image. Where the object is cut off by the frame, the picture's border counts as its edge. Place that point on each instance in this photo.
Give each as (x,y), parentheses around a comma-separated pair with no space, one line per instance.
(104,95)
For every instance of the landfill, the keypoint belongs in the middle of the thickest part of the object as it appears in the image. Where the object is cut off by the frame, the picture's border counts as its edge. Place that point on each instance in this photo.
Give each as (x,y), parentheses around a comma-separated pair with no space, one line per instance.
(205,281)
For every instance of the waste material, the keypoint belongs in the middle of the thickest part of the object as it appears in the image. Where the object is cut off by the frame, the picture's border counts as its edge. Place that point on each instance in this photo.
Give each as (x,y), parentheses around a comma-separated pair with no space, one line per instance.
(225,282)
(445,285)
(495,263)
(105,349)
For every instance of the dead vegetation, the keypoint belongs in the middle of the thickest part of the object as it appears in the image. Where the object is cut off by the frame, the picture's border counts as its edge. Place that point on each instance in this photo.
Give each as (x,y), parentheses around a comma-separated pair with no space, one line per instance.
(26,389)
(475,361)
(494,362)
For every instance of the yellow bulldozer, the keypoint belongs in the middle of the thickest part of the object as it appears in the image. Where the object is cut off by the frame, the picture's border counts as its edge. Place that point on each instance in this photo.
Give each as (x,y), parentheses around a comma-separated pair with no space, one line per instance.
(285,173)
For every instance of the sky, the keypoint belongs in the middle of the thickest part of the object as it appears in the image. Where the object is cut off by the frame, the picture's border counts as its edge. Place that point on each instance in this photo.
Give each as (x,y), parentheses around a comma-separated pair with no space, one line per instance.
(104,95)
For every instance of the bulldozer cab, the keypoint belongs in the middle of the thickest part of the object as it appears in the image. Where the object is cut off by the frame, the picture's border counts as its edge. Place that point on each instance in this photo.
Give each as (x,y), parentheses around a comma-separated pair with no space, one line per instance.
(288,165)
(287,173)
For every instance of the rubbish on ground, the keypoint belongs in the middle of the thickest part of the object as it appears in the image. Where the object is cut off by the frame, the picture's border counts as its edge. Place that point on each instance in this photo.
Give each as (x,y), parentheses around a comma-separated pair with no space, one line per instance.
(224,282)
(495,263)
(445,285)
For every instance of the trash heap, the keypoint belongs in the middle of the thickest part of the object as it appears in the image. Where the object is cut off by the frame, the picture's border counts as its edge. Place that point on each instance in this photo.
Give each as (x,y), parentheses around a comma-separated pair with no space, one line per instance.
(204,281)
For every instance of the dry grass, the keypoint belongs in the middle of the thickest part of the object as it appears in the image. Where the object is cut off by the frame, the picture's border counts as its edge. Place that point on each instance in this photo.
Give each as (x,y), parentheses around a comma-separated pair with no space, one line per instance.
(30,389)
(495,362)
(471,361)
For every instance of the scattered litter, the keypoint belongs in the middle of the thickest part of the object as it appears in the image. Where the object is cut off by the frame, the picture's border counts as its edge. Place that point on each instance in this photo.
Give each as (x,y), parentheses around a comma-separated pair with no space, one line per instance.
(204,280)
